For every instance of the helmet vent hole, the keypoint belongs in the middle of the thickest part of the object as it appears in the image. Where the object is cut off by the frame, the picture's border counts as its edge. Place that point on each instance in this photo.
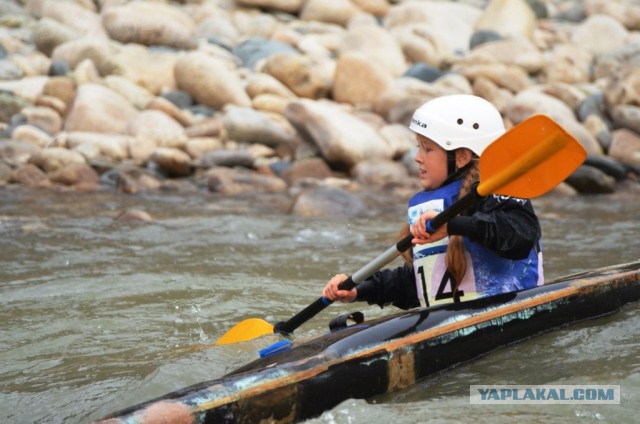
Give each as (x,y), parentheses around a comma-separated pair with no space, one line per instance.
(460,121)
(476,126)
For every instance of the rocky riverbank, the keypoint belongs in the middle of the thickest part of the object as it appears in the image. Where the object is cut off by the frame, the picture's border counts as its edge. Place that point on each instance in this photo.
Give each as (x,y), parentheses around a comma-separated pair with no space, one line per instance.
(305,98)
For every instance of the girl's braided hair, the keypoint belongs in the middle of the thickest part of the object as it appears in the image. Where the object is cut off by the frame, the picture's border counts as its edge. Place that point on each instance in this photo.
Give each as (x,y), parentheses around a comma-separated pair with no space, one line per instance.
(456,258)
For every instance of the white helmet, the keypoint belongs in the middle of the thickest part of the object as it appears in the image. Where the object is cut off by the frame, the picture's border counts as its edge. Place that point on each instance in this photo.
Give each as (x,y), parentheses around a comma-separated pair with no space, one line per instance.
(459,120)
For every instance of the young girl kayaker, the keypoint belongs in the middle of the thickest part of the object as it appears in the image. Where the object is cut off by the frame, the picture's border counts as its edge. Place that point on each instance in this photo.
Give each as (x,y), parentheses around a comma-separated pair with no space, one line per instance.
(492,248)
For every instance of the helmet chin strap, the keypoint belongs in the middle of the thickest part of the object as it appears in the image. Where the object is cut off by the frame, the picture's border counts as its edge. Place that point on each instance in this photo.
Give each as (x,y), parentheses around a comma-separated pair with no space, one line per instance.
(451,162)
(452,171)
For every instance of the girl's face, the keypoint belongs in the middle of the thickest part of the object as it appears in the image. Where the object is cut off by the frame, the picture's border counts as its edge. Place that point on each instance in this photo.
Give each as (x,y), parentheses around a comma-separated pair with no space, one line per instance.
(432,162)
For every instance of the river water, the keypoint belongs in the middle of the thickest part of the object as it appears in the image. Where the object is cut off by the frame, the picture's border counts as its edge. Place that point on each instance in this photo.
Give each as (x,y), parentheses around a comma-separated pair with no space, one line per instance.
(98,314)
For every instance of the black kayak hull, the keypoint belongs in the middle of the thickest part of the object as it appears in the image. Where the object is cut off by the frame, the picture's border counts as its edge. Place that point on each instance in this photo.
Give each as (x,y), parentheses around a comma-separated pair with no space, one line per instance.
(388,354)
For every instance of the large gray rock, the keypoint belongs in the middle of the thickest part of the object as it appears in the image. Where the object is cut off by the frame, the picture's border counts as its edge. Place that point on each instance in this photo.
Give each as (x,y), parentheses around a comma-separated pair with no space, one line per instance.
(99,109)
(150,24)
(210,81)
(252,126)
(321,201)
(54,158)
(343,139)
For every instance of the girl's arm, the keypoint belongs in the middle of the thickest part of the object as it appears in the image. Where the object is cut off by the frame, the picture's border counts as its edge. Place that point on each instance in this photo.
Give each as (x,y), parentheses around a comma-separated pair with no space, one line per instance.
(390,286)
(506,225)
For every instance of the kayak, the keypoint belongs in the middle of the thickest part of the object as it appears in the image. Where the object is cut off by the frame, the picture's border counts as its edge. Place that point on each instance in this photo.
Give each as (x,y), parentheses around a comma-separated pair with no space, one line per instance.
(302,380)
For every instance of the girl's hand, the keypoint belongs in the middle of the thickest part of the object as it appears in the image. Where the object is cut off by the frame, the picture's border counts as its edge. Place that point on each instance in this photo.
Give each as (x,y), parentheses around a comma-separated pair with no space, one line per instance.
(333,293)
(420,233)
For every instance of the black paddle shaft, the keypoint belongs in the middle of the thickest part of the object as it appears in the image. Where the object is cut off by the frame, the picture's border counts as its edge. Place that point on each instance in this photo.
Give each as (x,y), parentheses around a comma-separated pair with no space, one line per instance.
(287,327)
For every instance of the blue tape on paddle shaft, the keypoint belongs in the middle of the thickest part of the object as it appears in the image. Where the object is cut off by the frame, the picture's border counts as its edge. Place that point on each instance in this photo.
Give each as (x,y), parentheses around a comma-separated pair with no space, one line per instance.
(430,228)
(277,347)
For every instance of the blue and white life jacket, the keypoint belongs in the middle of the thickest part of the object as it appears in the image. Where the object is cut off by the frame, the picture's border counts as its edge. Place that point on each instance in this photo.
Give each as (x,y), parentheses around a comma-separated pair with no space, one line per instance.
(487,273)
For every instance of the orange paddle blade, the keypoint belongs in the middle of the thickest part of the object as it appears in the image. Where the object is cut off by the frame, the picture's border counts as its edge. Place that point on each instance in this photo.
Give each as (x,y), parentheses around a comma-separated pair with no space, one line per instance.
(248,329)
(530,159)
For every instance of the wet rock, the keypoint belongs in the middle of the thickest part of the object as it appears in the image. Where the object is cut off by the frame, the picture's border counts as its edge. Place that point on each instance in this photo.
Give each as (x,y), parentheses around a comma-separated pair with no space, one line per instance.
(132,92)
(514,51)
(510,18)
(16,153)
(586,139)
(71,14)
(228,158)
(30,176)
(608,166)
(320,201)
(99,109)
(568,63)
(511,77)
(5,173)
(236,181)
(313,168)
(133,180)
(62,88)
(75,174)
(343,139)
(450,20)
(589,180)
(173,162)
(59,68)
(260,84)
(113,147)
(54,158)
(150,24)
(600,34)
(591,105)
(423,72)
(249,125)
(625,147)
(98,50)
(157,128)
(32,135)
(270,103)
(377,8)
(198,146)
(624,87)
(254,50)
(181,99)
(163,105)
(53,103)
(289,6)
(47,119)
(151,69)
(379,172)
(335,12)
(302,75)
(205,128)
(626,116)
(49,34)
(626,13)
(482,36)
(359,80)
(10,105)
(209,81)
(399,137)
(531,102)
(9,70)
(376,45)
(132,215)
(598,128)
(29,88)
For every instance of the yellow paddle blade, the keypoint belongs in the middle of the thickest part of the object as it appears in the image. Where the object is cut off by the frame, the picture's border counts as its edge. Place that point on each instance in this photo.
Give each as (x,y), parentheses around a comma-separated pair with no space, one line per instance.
(248,329)
(530,159)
